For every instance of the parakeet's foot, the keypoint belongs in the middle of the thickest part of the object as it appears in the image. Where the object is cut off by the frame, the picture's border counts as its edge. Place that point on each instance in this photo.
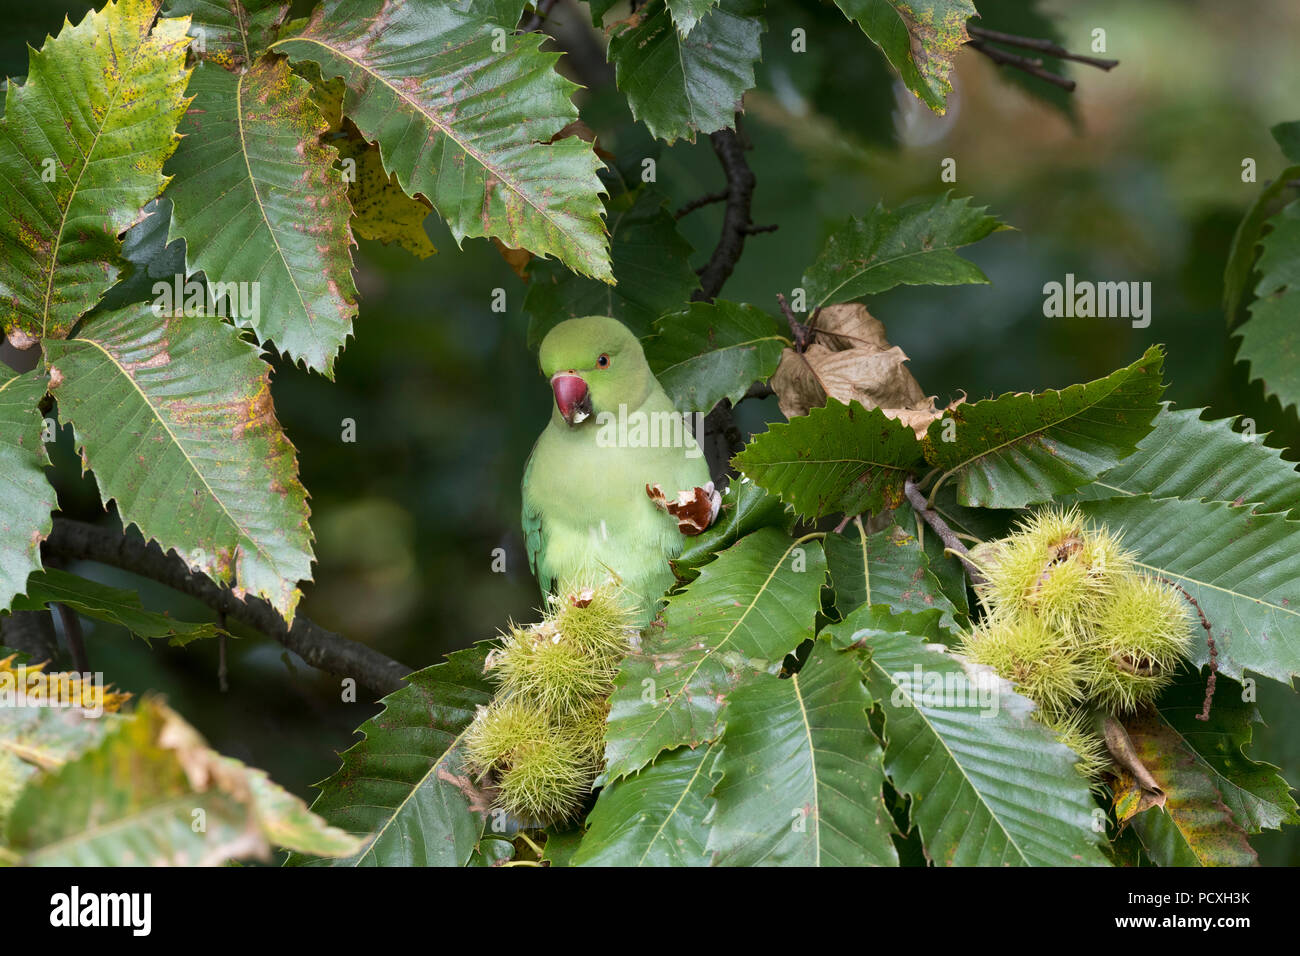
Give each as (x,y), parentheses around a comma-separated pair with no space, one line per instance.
(695,510)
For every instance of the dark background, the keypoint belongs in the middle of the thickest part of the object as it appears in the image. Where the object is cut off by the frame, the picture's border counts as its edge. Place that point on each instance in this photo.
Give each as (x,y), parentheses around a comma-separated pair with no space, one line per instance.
(1143,184)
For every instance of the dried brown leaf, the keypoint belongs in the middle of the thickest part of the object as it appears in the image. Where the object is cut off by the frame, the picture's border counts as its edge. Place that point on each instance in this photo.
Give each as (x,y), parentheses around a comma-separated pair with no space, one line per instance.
(849,358)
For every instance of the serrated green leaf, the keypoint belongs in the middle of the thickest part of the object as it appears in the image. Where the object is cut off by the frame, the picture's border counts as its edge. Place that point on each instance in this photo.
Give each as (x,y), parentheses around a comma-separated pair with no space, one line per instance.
(113,605)
(1023,448)
(405,782)
(679,85)
(990,786)
(751,606)
(651,263)
(654,817)
(98,114)
(1243,570)
(1188,457)
(913,245)
(258,202)
(1245,245)
(125,794)
(1255,793)
(1194,827)
(688,13)
(712,351)
(174,416)
(920,38)
(1270,338)
(463,125)
(745,508)
(838,458)
(230,33)
(26,497)
(800,775)
(888,567)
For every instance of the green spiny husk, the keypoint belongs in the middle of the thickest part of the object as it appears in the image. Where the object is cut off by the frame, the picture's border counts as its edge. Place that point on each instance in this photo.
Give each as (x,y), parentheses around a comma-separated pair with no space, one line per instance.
(1071,621)
(542,738)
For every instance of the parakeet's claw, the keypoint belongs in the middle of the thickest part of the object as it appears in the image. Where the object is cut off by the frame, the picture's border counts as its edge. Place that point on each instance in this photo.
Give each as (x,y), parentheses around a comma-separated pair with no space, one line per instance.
(695,510)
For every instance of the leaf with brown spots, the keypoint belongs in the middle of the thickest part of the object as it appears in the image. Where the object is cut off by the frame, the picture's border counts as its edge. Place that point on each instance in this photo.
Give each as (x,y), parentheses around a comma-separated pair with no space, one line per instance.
(232,33)
(1193,827)
(82,144)
(26,498)
(174,417)
(464,125)
(380,210)
(920,38)
(258,202)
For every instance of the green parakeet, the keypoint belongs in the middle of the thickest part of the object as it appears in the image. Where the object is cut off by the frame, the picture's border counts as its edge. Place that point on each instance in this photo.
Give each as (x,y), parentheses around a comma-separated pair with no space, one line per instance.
(615,478)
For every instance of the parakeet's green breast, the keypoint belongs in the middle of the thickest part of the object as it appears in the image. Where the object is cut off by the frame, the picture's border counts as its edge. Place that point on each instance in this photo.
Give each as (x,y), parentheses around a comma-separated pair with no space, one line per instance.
(612,432)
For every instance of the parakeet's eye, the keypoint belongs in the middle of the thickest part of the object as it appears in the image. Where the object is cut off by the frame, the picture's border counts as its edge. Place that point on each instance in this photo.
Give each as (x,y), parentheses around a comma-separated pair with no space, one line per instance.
(603,361)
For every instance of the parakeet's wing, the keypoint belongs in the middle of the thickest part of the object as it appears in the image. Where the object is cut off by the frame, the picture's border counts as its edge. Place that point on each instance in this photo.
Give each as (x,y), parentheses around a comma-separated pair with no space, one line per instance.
(534,531)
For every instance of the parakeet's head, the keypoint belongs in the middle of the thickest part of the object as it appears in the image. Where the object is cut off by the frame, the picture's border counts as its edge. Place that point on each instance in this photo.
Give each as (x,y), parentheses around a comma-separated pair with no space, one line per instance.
(595,364)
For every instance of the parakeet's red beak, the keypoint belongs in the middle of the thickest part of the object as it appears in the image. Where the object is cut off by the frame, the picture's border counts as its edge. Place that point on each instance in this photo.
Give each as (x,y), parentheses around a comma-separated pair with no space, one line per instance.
(571,397)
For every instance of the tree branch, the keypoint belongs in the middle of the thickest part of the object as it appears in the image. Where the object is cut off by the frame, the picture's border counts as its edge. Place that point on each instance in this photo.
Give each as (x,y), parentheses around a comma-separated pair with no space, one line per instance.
(722,438)
(949,538)
(735,217)
(1041,45)
(1022,63)
(320,648)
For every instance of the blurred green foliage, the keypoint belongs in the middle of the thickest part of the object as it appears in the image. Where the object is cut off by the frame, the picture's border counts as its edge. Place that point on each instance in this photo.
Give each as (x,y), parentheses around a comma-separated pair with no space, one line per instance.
(1144,185)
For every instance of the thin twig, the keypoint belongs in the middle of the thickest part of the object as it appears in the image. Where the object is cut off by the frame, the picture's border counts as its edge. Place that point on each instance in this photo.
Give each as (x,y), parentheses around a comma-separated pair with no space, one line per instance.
(76,640)
(1041,45)
(707,199)
(223,645)
(797,328)
(1213,679)
(1022,63)
(317,646)
(720,425)
(735,217)
(949,538)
